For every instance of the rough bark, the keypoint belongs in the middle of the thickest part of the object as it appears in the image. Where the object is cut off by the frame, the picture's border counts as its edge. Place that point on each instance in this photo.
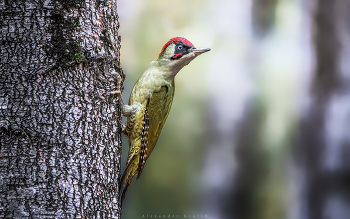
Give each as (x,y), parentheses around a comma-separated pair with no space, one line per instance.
(60,142)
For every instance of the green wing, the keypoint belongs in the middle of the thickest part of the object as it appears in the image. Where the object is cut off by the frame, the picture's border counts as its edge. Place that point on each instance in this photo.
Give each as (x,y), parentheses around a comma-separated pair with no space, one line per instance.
(156,113)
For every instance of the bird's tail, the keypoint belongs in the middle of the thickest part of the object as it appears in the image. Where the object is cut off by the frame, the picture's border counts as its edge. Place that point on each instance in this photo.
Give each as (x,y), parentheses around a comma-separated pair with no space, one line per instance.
(127,177)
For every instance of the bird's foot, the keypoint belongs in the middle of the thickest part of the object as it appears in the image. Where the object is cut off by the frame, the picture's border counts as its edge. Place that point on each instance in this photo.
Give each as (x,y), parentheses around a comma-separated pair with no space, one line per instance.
(124,129)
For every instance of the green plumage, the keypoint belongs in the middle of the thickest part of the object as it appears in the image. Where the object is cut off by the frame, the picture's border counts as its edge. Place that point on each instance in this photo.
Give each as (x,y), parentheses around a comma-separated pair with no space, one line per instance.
(154,93)
(149,105)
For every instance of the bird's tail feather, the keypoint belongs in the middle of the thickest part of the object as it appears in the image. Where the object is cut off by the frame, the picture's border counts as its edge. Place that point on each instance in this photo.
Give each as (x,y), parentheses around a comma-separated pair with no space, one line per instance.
(126,179)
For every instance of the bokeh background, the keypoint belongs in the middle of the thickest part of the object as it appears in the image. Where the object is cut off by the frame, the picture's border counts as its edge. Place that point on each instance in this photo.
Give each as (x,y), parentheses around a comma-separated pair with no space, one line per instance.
(260,125)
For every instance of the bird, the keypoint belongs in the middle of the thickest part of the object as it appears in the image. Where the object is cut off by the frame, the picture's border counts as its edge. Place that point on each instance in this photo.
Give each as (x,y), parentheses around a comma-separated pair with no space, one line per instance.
(149,105)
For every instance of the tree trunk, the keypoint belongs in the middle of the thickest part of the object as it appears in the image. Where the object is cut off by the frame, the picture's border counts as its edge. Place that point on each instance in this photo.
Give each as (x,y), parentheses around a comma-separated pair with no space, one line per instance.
(60,142)
(323,149)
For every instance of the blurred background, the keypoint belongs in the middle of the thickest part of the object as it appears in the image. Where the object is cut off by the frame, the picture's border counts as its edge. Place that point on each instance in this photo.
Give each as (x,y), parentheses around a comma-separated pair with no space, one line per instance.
(260,125)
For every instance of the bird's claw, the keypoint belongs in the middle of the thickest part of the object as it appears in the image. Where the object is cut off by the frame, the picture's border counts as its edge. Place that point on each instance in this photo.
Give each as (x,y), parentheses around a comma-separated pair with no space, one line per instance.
(124,129)
(117,92)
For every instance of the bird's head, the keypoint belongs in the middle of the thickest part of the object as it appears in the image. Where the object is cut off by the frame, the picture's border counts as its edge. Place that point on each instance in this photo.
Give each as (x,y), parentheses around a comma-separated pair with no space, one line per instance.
(177,53)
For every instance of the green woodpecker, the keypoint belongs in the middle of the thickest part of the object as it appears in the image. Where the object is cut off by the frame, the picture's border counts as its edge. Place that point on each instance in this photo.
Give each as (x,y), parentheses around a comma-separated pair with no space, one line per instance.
(149,105)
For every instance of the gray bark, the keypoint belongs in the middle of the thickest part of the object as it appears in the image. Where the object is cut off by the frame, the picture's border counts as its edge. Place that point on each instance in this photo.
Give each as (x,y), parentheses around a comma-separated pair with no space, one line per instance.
(60,136)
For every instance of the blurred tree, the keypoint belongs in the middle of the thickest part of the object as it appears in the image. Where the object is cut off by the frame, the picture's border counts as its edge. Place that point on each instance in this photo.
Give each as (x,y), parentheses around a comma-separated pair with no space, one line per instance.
(258,190)
(247,184)
(252,171)
(60,141)
(321,154)
(263,16)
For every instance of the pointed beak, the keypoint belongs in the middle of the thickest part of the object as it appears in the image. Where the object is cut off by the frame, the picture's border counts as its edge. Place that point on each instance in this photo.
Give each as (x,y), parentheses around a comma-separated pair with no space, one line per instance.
(200,50)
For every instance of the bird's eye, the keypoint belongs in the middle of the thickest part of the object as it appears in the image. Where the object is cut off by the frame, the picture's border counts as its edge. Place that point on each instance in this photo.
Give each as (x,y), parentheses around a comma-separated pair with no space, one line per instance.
(179,47)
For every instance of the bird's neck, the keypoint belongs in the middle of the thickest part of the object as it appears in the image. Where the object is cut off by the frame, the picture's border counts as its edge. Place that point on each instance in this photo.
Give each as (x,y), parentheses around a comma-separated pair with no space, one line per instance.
(164,68)
(172,67)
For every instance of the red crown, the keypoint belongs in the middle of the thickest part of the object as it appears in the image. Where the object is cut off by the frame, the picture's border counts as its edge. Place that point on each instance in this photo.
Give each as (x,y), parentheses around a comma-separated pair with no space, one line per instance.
(175,40)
